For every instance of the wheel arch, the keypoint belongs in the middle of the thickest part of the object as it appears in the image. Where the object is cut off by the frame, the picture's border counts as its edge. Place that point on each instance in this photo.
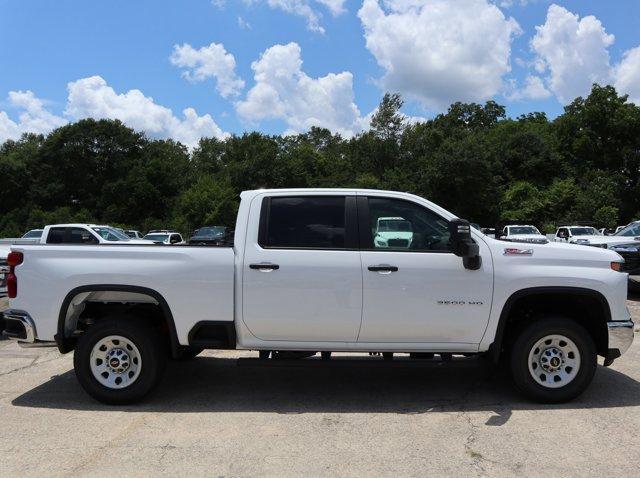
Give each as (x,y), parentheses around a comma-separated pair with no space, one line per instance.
(517,297)
(134,293)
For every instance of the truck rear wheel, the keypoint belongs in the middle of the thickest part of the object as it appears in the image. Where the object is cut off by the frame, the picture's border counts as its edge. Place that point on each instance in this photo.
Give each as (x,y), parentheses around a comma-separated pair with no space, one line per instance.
(119,360)
(553,360)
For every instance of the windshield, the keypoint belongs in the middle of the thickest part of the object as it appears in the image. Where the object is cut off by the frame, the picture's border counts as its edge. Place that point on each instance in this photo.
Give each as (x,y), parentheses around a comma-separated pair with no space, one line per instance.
(215,231)
(35,233)
(584,231)
(156,237)
(630,230)
(523,230)
(111,234)
(395,225)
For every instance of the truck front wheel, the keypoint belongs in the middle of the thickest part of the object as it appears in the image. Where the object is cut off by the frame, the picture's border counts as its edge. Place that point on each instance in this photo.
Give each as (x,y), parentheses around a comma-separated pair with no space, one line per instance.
(553,360)
(119,360)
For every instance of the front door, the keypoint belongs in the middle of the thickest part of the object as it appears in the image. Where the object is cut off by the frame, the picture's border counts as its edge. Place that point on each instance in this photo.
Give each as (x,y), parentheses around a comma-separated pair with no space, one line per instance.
(302,278)
(414,289)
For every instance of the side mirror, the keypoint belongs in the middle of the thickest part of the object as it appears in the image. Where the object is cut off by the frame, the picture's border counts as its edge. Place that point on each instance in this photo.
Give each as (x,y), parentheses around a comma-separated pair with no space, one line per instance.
(462,245)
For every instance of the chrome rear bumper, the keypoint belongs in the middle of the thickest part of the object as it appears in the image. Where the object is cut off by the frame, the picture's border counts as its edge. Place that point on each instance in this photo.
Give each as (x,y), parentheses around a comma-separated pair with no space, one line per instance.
(19,326)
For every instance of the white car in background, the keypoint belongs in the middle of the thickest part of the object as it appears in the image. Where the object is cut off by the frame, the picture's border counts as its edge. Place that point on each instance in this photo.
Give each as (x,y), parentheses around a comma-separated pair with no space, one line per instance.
(523,233)
(164,237)
(133,234)
(393,232)
(33,234)
(590,236)
(86,234)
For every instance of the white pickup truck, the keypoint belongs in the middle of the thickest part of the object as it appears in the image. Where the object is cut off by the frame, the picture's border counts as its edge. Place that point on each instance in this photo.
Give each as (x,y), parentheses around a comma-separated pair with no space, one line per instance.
(304,276)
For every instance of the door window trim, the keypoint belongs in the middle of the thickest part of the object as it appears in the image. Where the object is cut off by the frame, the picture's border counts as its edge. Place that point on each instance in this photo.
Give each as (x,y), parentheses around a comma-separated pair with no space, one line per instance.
(350,223)
(364,227)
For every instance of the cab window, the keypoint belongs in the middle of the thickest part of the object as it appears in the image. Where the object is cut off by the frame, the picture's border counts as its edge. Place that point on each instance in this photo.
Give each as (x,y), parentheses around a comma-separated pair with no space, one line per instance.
(307,222)
(399,225)
(78,235)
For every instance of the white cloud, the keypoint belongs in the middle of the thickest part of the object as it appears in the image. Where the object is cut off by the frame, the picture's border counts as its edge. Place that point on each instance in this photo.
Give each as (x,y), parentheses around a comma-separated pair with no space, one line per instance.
(210,61)
(573,51)
(242,23)
(439,51)
(93,98)
(283,91)
(306,9)
(33,117)
(627,75)
(336,7)
(534,89)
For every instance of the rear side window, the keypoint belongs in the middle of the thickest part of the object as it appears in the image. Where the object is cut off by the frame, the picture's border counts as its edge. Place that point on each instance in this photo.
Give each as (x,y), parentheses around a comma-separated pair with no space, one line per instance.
(70,235)
(56,235)
(304,222)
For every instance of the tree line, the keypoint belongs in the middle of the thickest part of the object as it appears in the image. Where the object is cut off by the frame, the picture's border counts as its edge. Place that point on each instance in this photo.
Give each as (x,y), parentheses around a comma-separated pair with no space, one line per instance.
(584,165)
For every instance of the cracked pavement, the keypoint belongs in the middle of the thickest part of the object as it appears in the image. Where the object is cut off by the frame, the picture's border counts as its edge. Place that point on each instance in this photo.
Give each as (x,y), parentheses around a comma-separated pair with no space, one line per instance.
(210,417)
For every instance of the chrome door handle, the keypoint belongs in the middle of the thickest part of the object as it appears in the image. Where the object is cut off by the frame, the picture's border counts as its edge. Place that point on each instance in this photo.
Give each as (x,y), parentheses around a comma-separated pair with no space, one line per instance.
(264,267)
(383,268)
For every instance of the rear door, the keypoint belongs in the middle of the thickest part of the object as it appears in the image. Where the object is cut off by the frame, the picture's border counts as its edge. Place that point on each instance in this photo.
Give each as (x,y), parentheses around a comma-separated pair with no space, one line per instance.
(302,278)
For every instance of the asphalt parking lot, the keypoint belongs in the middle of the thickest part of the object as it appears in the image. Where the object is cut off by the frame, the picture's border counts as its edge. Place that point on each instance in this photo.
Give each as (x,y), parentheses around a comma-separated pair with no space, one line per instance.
(210,417)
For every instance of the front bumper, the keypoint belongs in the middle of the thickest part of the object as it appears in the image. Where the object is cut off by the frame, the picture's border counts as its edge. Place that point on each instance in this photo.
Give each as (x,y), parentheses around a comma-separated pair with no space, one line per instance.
(19,326)
(620,339)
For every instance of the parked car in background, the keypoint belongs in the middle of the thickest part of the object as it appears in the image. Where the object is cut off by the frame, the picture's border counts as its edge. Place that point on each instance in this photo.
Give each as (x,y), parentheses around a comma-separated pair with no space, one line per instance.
(4,268)
(33,234)
(133,234)
(164,237)
(211,235)
(577,234)
(393,232)
(625,242)
(523,233)
(85,234)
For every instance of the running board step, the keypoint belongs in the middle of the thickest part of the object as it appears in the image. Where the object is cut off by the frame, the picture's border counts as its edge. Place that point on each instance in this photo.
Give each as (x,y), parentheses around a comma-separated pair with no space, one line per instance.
(356,362)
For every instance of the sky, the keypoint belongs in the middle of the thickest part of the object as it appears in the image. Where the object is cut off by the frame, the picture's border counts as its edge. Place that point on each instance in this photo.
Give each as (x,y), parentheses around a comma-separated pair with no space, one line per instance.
(192,68)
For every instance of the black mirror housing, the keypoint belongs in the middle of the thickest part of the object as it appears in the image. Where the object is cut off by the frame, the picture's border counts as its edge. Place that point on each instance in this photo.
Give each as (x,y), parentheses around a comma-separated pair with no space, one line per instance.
(462,245)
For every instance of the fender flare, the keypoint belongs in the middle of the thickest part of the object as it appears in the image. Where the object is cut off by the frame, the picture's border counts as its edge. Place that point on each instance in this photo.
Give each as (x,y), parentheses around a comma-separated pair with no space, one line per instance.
(65,345)
(496,346)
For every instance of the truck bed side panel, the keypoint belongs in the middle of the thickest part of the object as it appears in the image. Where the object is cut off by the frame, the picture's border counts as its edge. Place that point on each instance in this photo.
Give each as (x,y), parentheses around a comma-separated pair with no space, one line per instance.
(196,282)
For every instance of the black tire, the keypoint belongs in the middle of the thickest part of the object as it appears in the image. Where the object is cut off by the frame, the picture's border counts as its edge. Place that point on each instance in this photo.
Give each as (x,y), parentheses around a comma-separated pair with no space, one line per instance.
(188,353)
(149,344)
(525,342)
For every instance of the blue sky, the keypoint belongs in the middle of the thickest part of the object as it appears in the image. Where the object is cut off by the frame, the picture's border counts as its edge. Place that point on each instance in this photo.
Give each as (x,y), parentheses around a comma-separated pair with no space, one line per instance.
(324,62)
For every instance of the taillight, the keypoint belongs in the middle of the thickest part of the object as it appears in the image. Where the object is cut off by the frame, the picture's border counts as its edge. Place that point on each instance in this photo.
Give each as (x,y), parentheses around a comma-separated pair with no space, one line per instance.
(13,259)
(617,266)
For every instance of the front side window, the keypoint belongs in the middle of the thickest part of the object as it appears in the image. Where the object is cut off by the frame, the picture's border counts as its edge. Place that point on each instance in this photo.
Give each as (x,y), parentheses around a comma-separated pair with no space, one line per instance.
(111,234)
(210,232)
(630,230)
(34,234)
(304,222)
(583,231)
(156,237)
(400,225)
(519,230)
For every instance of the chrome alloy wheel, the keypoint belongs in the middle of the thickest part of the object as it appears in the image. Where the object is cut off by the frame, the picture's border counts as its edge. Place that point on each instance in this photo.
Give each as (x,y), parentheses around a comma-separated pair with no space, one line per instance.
(115,362)
(554,361)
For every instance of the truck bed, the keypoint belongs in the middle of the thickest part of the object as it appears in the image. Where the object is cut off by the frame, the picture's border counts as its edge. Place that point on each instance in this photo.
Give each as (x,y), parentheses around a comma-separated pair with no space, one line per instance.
(196,281)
